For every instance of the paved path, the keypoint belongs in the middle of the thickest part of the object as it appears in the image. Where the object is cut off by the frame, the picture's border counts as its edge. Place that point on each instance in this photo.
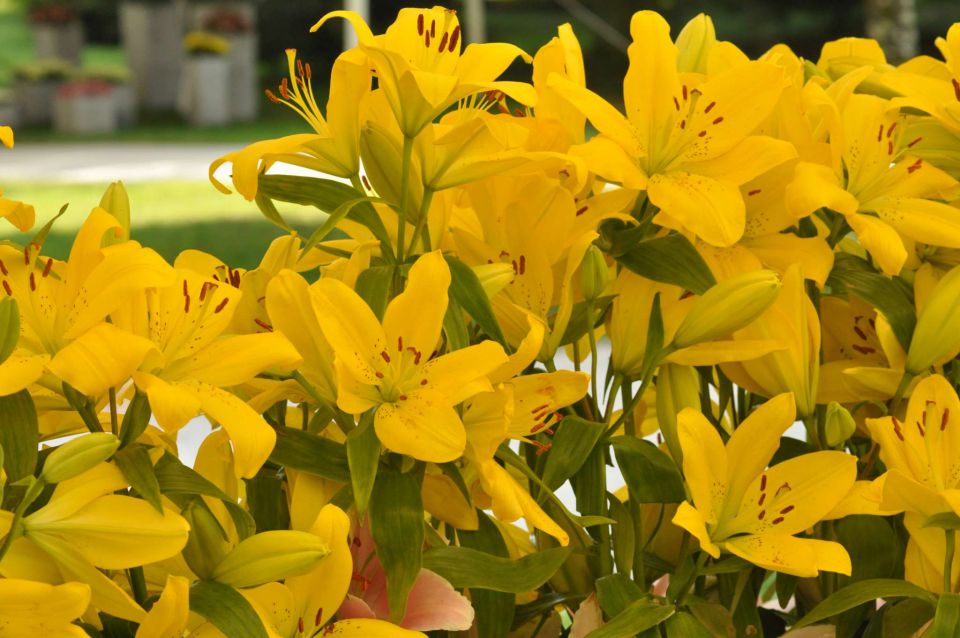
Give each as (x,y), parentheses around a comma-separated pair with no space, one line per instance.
(106,162)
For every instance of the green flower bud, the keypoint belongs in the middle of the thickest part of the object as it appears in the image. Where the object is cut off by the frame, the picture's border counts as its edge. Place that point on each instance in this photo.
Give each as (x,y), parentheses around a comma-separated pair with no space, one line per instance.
(839,425)
(78,455)
(270,556)
(207,544)
(594,273)
(728,306)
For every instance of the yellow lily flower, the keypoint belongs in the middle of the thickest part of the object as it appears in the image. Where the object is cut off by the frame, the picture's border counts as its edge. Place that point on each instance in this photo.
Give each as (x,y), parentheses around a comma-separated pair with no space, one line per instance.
(923,470)
(186,324)
(17,213)
(169,615)
(6,136)
(887,193)
(688,142)
(332,148)
(85,525)
(562,55)
(29,609)
(419,66)
(393,367)
(742,507)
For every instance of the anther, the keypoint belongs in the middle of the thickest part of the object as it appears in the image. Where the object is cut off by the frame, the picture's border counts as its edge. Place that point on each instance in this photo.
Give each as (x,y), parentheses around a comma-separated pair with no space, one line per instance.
(443,42)
(944,418)
(777,520)
(709,107)
(221,305)
(46,269)
(718,120)
(400,343)
(701,134)
(6,288)
(956,89)
(33,282)
(420,24)
(890,130)
(582,210)
(263,324)
(454,39)
(385,356)
(755,191)
(787,509)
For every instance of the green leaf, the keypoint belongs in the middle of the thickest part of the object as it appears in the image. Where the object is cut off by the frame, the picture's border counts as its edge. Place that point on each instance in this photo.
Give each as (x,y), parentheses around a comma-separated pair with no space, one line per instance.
(715,617)
(396,521)
(363,455)
(615,593)
(572,444)
(466,290)
(330,225)
(888,296)
(875,552)
(135,464)
(624,541)
(905,618)
(135,419)
(226,609)
(266,500)
(373,286)
(19,435)
(651,476)
(670,260)
(495,610)
(946,622)
(176,478)
(455,327)
(581,318)
(325,194)
(41,235)
(639,616)
(685,625)
(9,327)
(943,520)
(653,351)
(311,453)
(265,204)
(861,592)
(465,567)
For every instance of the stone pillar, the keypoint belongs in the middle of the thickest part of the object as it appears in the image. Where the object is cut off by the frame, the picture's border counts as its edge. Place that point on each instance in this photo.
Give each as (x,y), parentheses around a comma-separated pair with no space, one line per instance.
(152,35)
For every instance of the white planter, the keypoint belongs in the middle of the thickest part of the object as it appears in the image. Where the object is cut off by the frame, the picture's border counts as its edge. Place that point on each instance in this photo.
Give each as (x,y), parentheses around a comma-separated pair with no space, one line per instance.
(205,92)
(63,41)
(125,104)
(34,100)
(152,37)
(244,84)
(85,114)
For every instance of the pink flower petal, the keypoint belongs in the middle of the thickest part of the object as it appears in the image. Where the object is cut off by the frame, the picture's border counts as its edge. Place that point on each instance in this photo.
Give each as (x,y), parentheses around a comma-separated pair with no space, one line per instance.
(353,607)
(434,604)
(589,616)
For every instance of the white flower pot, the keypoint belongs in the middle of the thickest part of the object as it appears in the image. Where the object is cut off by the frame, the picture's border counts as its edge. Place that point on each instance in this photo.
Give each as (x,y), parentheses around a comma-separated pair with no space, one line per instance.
(152,37)
(84,114)
(125,103)
(205,92)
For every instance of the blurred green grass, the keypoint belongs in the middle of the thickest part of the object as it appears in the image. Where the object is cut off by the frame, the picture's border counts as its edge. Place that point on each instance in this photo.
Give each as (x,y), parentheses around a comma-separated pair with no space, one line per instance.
(167,216)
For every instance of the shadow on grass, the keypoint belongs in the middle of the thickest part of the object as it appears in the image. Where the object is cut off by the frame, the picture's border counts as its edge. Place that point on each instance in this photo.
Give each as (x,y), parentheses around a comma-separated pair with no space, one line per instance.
(240,244)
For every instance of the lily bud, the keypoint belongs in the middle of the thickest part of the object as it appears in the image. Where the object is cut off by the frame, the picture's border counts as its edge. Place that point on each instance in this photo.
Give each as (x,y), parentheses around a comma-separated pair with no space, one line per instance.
(937,335)
(839,425)
(494,277)
(207,545)
(116,202)
(9,327)
(594,273)
(678,387)
(78,455)
(694,43)
(728,306)
(270,556)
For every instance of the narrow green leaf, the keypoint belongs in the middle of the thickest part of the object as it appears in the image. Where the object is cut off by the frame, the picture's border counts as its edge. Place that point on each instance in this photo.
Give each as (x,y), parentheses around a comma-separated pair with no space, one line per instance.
(270,212)
(176,478)
(135,419)
(9,327)
(495,610)
(466,290)
(624,541)
(715,617)
(639,616)
(337,216)
(617,592)
(41,235)
(905,618)
(242,520)
(670,260)
(396,521)
(572,444)
(861,592)
(135,464)
(465,567)
(455,327)
(19,435)
(651,476)
(226,609)
(267,501)
(888,296)
(946,622)
(311,453)
(653,351)
(373,286)
(363,455)
(685,625)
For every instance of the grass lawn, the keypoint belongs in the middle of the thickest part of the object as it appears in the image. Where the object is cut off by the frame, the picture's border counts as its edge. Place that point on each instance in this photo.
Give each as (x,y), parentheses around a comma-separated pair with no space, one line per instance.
(167,216)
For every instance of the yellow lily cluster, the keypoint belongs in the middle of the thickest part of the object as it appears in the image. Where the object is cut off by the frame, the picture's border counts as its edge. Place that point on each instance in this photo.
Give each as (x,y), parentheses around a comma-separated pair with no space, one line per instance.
(740,295)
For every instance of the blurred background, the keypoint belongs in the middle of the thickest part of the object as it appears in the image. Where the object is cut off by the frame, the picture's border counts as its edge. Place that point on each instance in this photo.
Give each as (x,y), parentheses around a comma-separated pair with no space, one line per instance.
(151,91)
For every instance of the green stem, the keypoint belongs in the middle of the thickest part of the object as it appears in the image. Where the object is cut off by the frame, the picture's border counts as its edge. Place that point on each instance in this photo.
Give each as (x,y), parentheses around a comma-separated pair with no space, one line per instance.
(420,232)
(344,426)
(701,561)
(742,579)
(592,336)
(138,584)
(901,389)
(114,420)
(951,535)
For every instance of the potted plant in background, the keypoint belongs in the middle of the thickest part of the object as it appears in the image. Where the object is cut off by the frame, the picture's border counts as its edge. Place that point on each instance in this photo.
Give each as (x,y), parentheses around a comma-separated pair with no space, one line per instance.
(236,22)
(123,91)
(204,98)
(57,31)
(152,32)
(85,106)
(35,87)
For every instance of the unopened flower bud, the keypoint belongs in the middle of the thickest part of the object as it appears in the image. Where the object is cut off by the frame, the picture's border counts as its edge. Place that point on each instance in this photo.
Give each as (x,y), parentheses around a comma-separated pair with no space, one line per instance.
(207,545)
(694,43)
(594,273)
(937,335)
(270,556)
(78,455)
(728,306)
(839,425)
